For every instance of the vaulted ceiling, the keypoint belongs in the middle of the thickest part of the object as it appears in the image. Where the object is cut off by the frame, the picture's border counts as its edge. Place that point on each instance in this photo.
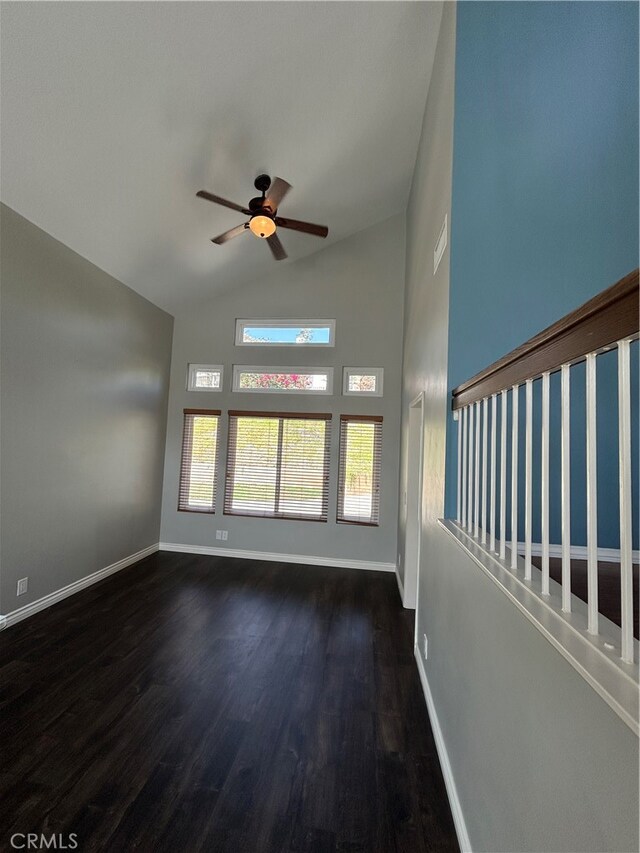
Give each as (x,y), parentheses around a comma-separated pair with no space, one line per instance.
(115,114)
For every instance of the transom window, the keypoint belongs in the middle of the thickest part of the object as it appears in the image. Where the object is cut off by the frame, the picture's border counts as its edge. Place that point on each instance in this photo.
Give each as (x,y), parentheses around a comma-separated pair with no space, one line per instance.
(283,380)
(278,465)
(197,490)
(359,469)
(362,381)
(204,377)
(285,333)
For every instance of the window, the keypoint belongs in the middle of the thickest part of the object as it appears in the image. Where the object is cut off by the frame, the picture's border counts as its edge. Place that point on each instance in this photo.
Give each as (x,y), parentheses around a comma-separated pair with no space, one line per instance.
(283,380)
(204,377)
(285,333)
(278,465)
(197,491)
(359,469)
(362,381)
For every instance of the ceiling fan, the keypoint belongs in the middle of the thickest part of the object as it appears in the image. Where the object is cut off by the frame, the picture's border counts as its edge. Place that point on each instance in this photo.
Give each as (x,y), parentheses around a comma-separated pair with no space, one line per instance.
(264,222)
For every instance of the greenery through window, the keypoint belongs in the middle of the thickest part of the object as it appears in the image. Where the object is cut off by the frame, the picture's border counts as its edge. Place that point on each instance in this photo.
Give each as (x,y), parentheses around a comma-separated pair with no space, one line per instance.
(284,333)
(363,382)
(359,469)
(278,465)
(283,380)
(197,491)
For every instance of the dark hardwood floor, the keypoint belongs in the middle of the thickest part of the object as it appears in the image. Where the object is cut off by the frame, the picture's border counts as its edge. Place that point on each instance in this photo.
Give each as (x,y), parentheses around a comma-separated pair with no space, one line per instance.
(608,586)
(202,703)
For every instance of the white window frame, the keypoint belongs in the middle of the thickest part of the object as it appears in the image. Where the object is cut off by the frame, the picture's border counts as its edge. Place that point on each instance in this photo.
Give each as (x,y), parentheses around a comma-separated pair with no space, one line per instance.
(262,368)
(192,369)
(243,323)
(378,372)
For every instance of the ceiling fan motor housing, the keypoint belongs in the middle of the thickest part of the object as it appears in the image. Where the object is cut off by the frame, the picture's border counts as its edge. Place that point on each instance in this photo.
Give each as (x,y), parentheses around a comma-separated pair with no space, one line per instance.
(262,183)
(256,205)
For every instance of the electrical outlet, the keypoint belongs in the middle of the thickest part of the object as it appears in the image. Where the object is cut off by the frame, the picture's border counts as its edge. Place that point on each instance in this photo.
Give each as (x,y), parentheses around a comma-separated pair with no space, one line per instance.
(225,535)
(399,560)
(23,586)
(218,534)
(425,646)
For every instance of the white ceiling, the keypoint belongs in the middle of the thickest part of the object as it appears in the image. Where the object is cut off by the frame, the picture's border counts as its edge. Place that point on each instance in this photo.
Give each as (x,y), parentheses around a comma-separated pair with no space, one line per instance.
(115,114)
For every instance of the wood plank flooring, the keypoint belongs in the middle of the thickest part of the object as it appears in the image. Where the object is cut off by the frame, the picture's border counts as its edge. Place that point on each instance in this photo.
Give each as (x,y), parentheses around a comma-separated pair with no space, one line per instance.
(202,703)
(608,586)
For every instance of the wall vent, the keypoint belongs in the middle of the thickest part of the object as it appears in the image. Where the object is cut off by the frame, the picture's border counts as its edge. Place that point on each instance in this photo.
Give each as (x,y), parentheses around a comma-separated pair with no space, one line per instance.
(441,245)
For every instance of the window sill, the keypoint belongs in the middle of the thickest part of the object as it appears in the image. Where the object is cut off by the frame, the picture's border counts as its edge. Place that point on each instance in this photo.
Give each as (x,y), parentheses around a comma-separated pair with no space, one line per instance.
(274,517)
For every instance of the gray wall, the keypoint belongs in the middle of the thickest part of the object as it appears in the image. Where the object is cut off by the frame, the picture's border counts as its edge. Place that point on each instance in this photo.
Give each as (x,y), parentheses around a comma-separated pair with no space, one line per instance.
(427,295)
(359,282)
(85,368)
(539,760)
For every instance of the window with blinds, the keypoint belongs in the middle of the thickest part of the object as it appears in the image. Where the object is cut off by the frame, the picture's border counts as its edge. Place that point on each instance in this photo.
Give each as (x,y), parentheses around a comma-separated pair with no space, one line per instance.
(359,469)
(278,465)
(197,491)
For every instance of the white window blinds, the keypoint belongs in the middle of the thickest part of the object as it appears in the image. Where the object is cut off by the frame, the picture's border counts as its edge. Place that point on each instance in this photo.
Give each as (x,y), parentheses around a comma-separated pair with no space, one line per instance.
(278,465)
(359,469)
(197,492)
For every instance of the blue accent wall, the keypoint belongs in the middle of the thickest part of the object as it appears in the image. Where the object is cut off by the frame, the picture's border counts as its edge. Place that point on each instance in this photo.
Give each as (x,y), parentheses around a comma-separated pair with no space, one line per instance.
(545,204)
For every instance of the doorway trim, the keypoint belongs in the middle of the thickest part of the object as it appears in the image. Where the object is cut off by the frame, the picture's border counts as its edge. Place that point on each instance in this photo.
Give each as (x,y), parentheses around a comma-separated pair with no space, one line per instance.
(414,504)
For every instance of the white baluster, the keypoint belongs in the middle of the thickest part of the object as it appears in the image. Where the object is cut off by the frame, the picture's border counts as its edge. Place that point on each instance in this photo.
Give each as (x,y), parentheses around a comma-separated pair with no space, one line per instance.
(624,450)
(514,477)
(492,491)
(483,499)
(476,502)
(566,487)
(528,486)
(464,467)
(470,494)
(459,470)
(503,474)
(592,498)
(544,484)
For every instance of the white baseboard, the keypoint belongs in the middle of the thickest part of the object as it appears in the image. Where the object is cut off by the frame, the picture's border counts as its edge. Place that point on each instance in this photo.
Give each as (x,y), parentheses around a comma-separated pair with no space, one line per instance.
(338,562)
(578,552)
(452,791)
(53,597)
(400,585)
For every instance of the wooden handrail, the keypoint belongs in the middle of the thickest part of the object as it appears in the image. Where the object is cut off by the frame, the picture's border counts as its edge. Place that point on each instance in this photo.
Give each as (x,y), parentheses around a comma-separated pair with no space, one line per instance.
(609,317)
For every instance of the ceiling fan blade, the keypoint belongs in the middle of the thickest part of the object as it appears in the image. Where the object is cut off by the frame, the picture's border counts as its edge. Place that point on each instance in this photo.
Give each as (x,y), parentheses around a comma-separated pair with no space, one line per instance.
(230,234)
(277,249)
(276,192)
(223,201)
(306,227)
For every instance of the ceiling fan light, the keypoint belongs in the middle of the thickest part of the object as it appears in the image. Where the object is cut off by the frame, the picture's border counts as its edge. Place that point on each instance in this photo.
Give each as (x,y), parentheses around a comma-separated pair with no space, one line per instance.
(262,226)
